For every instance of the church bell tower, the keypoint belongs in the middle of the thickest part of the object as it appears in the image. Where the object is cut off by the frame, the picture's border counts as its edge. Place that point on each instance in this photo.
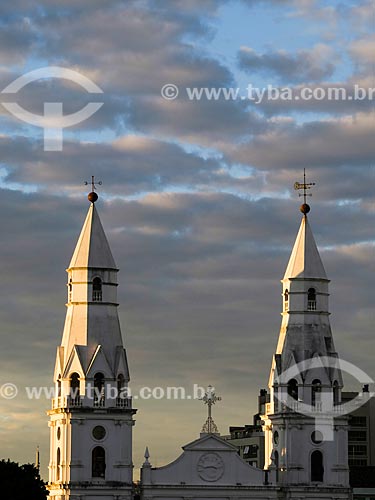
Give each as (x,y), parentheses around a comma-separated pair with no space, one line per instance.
(305,430)
(91,417)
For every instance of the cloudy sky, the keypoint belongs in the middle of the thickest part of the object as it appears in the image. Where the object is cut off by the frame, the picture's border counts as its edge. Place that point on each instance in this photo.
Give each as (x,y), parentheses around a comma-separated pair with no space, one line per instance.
(197,196)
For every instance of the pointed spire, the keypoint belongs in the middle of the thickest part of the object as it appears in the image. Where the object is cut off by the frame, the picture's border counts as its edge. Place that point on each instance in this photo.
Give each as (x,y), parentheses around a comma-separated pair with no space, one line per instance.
(305,261)
(92,249)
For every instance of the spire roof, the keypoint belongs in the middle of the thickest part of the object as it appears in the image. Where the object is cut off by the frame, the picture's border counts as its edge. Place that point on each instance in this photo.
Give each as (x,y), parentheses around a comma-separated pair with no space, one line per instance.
(305,261)
(92,249)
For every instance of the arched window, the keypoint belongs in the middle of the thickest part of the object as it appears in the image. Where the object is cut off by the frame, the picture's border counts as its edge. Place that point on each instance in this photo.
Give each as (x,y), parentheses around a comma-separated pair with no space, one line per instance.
(286,300)
(70,290)
(58,386)
(74,387)
(98,462)
(336,393)
(120,384)
(276,462)
(99,389)
(316,390)
(58,461)
(293,388)
(317,469)
(311,299)
(96,290)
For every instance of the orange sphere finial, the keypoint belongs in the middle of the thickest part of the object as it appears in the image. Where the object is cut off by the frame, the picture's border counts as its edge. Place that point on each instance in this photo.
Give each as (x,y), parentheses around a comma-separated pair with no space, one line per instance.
(92,197)
(305,208)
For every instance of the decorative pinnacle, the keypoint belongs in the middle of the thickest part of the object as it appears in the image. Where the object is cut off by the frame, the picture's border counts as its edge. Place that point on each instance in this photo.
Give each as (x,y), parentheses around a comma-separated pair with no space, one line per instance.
(210,399)
(93,197)
(147,456)
(37,458)
(305,208)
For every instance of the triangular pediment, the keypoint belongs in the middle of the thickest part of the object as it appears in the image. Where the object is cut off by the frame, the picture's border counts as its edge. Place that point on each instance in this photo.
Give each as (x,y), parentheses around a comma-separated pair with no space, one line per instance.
(59,364)
(74,364)
(99,363)
(209,442)
(121,363)
(316,369)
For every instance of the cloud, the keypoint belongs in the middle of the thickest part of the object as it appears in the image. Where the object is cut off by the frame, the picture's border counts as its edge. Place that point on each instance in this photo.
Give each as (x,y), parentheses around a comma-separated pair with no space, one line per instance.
(363,52)
(331,142)
(303,66)
(17,40)
(197,201)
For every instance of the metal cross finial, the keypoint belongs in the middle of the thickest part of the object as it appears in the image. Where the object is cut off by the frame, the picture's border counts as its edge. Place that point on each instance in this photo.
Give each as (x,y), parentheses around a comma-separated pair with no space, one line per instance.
(305,186)
(93,186)
(210,399)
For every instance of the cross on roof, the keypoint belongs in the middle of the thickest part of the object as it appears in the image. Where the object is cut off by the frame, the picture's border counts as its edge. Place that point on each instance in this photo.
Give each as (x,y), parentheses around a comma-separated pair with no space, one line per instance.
(93,185)
(210,399)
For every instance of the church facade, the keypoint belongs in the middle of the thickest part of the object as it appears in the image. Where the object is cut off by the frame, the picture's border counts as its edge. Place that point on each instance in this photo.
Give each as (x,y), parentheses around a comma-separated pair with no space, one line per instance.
(91,418)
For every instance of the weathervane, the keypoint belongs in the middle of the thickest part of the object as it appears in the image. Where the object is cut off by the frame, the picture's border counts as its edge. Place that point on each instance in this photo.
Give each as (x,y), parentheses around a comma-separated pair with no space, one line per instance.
(93,197)
(305,208)
(210,399)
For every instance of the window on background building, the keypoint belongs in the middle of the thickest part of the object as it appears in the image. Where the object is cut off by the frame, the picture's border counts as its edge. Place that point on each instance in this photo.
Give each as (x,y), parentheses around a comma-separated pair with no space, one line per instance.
(357,421)
(357,462)
(98,462)
(96,290)
(357,436)
(317,469)
(311,299)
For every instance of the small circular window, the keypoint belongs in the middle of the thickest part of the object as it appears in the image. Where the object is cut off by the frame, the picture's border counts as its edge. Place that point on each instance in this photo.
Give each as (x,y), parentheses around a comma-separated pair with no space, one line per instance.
(317,437)
(58,433)
(99,432)
(276,437)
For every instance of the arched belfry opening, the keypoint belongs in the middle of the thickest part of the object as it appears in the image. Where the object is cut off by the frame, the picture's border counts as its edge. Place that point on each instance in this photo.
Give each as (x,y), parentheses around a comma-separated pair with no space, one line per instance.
(311,299)
(286,300)
(293,389)
(74,386)
(97,293)
(99,389)
(316,390)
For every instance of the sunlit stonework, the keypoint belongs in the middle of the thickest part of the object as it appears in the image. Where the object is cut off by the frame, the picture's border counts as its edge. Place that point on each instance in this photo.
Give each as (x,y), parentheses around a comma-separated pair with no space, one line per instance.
(91,432)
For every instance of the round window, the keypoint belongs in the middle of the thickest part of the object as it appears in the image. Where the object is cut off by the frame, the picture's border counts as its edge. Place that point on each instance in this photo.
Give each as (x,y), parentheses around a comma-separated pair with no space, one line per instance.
(317,437)
(58,433)
(276,437)
(99,433)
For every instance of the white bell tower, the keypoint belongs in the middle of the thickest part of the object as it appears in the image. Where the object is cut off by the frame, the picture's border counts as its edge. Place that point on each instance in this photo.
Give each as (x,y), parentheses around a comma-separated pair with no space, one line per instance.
(91,417)
(305,432)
